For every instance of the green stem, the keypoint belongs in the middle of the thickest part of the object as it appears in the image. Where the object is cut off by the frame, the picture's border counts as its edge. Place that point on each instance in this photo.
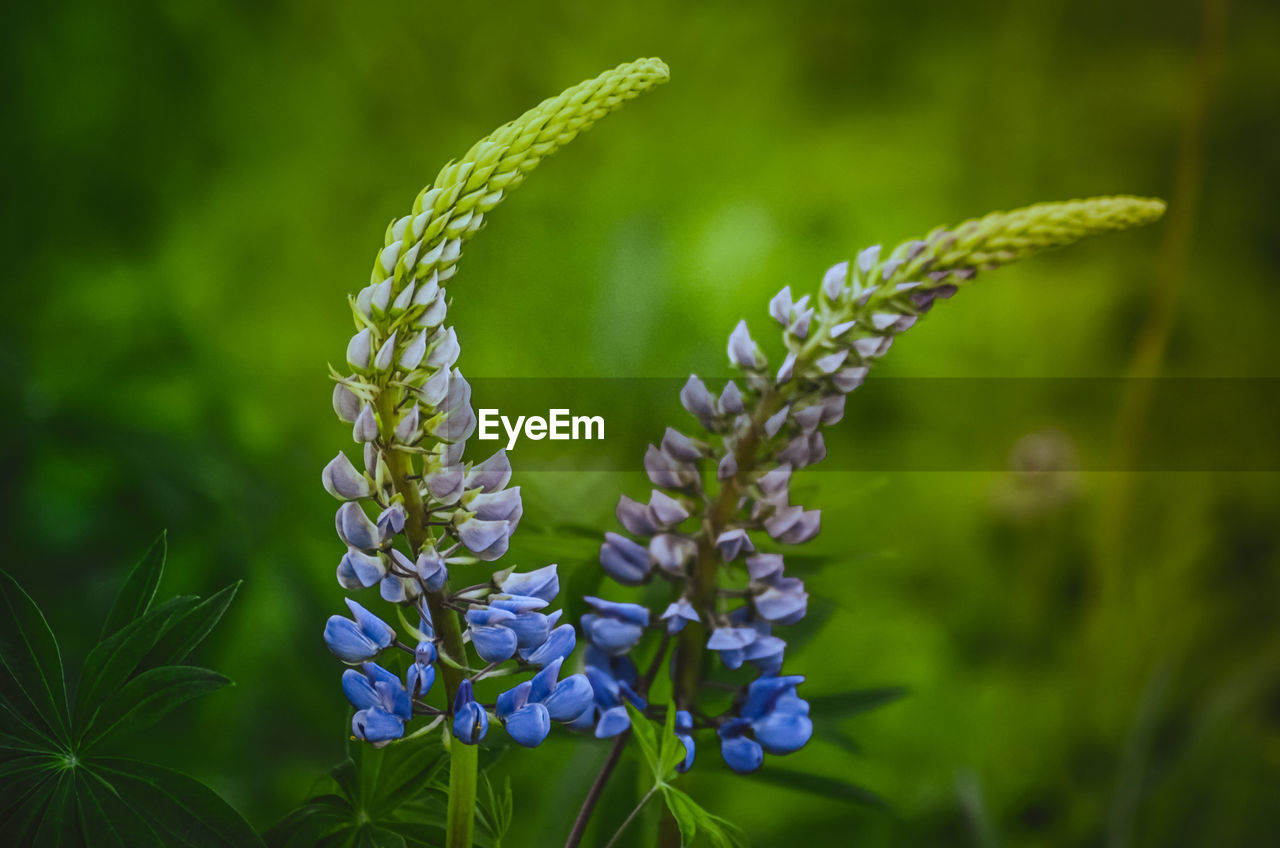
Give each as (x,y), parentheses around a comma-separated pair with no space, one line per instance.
(460,825)
(634,813)
(462,758)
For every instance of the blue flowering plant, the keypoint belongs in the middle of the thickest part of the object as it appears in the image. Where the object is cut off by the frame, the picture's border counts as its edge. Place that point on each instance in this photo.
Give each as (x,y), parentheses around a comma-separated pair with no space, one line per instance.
(716,525)
(416,513)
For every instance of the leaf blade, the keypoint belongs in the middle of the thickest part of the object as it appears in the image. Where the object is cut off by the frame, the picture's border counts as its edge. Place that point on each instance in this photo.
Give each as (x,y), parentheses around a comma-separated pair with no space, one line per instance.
(29,650)
(139,589)
(150,696)
(179,806)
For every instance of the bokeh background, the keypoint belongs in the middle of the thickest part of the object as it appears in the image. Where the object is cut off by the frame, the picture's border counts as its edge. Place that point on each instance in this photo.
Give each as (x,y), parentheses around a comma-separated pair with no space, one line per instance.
(191,189)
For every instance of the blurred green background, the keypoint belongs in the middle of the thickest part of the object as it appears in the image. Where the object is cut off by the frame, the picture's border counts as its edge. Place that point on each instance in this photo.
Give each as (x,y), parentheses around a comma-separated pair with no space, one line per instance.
(192,188)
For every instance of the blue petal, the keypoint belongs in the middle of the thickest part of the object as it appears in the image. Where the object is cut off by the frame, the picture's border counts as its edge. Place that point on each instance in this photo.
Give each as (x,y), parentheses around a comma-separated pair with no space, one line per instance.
(425,653)
(377,630)
(684,721)
(366,568)
(732,659)
(543,683)
(529,725)
(764,692)
(689,751)
(494,644)
(731,638)
(559,644)
(431,568)
(376,725)
(531,629)
(541,583)
(420,679)
(513,699)
(355,528)
(742,754)
(345,639)
(586,720)
(571,697)
(782,733)
(603,687)
(517,603)
(612,722)
(632,613)
(471,723)
(489,615)
(394,699)
(358,689)
(624,560)
(613,636)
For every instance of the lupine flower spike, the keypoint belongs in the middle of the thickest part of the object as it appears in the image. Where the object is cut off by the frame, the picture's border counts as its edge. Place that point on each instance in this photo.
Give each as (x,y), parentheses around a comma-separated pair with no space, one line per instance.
(415,512)
(721,513)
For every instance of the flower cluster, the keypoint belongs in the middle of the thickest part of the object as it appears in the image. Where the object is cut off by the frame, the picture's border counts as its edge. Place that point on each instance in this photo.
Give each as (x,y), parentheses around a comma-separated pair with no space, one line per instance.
(413,509)
(722,502)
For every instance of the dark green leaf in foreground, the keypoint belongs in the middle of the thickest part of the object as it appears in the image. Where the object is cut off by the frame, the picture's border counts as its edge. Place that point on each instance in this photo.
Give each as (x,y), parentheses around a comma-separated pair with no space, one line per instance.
(135,597)
(53,790)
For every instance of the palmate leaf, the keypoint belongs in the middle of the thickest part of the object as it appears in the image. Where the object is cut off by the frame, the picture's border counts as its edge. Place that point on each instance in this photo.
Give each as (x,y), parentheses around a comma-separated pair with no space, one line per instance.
(139,589)
(387,796)
(55,789)
(34,685)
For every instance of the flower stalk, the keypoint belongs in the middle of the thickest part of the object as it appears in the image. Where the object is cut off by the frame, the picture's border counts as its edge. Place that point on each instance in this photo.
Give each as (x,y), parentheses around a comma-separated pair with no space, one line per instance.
(721,500)
(417,509)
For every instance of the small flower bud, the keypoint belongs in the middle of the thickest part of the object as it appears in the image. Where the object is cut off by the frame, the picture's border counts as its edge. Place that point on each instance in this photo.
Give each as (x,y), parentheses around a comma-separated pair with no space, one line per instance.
(742,349)
(360,349)
(695,398)
(834,280)
(366,427)
(780,306)
(407,429)
(868,258)
(386,354)
(444,349)
(414,352)
(733,542)
(731,399)
(788,368)
(345,403)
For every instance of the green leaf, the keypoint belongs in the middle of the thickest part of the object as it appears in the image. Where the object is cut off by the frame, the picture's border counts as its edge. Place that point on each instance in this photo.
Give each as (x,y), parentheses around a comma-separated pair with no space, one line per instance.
(322,816)
(29,651)
(134,598)
(148,697)
(691,817)
(114,659)
(59,823)
(682,809)
(109,819)
(186,631)
(816,784)
(177,806)
(671,750)
(642,730)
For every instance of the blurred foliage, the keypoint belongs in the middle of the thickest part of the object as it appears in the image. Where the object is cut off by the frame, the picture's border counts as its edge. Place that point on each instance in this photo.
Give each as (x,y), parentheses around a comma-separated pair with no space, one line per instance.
(192,189)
